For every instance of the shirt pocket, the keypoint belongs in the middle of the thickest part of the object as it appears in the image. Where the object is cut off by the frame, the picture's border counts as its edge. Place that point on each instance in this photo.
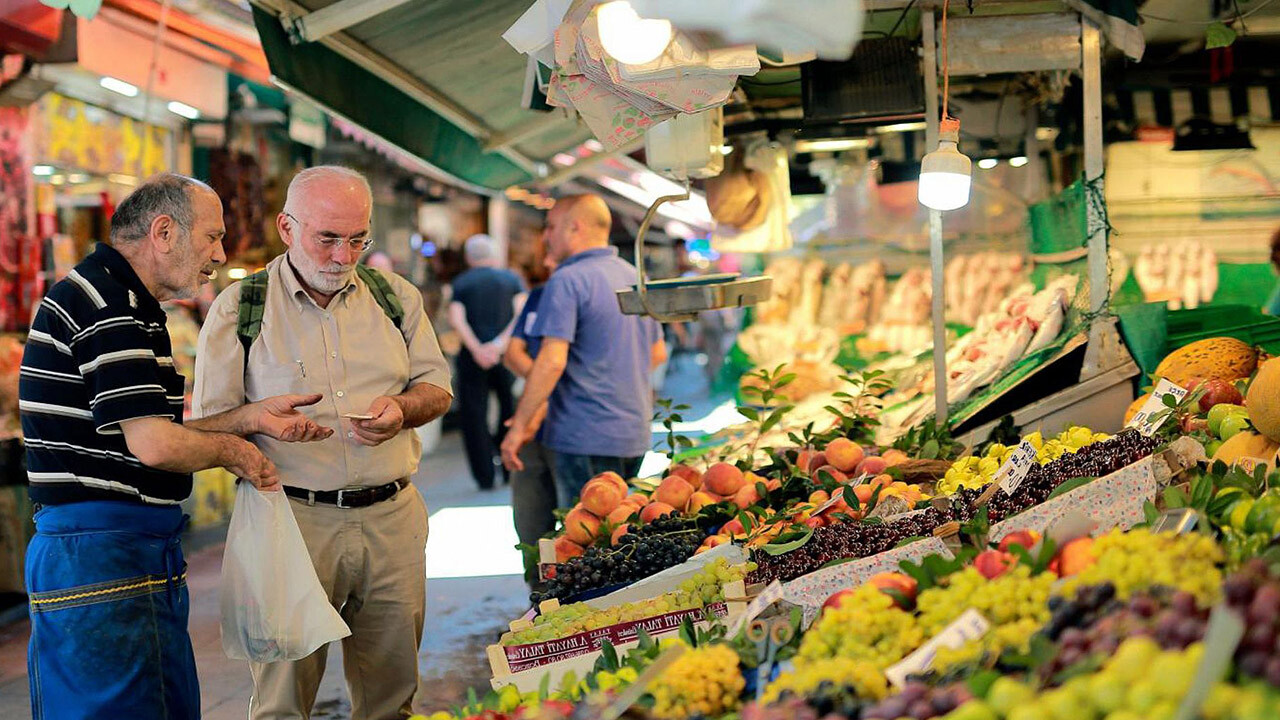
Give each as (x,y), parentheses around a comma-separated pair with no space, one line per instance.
(277,378)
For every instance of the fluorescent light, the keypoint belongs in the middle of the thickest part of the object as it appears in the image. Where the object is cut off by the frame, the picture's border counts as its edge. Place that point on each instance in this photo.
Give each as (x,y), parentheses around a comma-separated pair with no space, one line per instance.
(183,109)
(902,127)
(58,180)
(836,145)
(121,179)
(116,85)
(693,211)
(237,273)
(486,532)
(629,38)
(564,159)
(42,170)
(1018,161)
(726,149)
(988,163)
(78,178)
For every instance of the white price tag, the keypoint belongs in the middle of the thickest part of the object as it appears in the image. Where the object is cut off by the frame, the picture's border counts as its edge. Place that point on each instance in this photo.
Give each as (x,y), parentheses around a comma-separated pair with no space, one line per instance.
(969,626)
(1154,404)
(1015,469)
(767,597)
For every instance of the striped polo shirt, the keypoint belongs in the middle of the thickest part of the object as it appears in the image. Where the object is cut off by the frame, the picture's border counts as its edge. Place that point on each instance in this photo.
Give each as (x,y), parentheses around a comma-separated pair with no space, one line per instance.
(98,354)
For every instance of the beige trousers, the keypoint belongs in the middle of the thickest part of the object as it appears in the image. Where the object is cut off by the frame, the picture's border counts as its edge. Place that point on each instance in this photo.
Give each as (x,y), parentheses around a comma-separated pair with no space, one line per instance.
(372,563)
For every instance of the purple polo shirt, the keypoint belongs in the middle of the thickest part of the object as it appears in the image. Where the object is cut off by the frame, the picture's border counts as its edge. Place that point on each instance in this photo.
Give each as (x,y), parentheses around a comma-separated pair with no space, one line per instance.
(603,403)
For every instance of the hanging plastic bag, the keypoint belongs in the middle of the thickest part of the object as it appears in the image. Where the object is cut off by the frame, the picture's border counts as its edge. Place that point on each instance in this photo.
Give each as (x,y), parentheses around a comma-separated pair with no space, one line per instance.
(273,607)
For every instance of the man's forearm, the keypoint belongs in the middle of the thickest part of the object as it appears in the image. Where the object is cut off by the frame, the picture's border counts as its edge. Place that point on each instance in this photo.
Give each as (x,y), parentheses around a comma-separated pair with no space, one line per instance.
(538,386)
(241,421)
(422,403)
(165,445)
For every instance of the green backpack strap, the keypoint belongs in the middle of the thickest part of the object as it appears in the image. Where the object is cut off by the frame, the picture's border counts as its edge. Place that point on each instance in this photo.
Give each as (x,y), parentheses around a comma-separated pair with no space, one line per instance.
(253,301)
(383,294)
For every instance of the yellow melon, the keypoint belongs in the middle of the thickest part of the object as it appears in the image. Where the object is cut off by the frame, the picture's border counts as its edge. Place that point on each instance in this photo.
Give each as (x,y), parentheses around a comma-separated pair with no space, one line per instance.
(1223,358)
(1247,445)
(1135,407)
(1263,399)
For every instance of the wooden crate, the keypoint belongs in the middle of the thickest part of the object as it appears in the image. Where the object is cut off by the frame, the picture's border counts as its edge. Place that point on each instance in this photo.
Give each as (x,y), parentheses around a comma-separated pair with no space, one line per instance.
(525,665)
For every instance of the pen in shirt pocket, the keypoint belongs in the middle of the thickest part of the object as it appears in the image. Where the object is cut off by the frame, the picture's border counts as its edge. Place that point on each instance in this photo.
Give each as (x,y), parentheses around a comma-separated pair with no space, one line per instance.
(302,368)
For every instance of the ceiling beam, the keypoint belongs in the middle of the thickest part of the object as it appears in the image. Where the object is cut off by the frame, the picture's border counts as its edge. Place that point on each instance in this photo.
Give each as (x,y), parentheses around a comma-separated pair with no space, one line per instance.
(522,132)
(312,26)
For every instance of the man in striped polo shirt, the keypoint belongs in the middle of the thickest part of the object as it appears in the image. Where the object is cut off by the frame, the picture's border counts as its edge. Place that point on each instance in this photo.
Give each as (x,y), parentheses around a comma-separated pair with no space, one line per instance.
(109,459)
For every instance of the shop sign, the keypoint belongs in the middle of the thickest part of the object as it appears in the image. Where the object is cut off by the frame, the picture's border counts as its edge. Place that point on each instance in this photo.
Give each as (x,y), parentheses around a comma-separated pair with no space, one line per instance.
(78,135)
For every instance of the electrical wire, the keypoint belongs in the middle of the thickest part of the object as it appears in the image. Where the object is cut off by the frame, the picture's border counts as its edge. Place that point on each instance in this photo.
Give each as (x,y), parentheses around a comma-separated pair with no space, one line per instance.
(901,17)
(946,65)
(1237,16)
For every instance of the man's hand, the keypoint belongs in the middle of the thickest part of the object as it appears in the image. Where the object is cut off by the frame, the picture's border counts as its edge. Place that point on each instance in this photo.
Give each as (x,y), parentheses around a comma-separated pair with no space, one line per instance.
(516,437)
(487,355)
(250,464)
(388,420)
(277,417)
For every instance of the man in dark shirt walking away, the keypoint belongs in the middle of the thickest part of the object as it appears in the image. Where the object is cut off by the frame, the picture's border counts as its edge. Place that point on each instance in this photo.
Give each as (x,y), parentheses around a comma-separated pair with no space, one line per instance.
(109,459)
(486,300)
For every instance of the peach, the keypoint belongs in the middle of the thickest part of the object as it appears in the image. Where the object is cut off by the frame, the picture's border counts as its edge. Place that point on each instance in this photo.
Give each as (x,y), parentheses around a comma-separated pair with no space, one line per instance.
(688,473)
(674,492)
(991,564)
(715,541)
(618,532)
(772,484)
(733,528)
(810,460)
(699,500)
(1075,556)
(746,497)
(621,514)
(901,582)
(655,510)
(864,492)
(614,478)
(881,480)
(1026,538)
(844,454)
(635,500)
(601,497)
(872,465)
(815,522)
(817,497)
(581,526)
(894,457)
(823,472)
(566,549)
(723,479)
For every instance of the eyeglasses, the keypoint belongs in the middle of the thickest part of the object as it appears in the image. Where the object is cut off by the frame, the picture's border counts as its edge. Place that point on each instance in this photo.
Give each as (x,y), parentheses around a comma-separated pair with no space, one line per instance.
(357,245)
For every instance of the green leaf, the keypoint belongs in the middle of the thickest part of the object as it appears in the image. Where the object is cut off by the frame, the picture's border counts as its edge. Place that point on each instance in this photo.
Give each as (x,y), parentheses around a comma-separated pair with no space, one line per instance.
(929,451)
(1150,512)
(687,634)
(980,682)
(785,380)
(780,548)
(544,687)
(748,523)
(909,540)
(749,413)
(1168,401)
(1218,35)
(610,656)
(1069,485)
(1174,497)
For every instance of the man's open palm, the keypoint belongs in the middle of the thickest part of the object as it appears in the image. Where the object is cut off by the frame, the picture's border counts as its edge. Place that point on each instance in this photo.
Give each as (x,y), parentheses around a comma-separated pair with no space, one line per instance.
(279,418)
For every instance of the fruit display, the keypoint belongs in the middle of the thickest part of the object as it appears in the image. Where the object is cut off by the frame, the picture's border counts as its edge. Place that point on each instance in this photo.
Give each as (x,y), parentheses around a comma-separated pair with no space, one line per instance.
(641,552)
(703,682)
(1014,596)
(974,471)
(704,588)
(1140,559)
(1254,593)
(864,626)
(858,678)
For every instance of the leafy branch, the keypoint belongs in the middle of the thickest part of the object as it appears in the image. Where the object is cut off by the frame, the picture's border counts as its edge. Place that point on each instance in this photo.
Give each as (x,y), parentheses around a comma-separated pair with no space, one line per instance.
(669,414)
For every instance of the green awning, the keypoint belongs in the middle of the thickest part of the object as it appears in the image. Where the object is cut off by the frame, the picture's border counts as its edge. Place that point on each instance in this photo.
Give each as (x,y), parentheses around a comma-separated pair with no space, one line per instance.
(358,95)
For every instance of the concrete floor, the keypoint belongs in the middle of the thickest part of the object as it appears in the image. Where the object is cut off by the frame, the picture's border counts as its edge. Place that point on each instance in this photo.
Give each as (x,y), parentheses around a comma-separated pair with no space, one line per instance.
(463,614)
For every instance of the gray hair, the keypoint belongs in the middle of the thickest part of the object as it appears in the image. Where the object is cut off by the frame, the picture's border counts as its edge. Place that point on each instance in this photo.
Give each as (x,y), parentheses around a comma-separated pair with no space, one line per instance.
(163,194)
(311,174)
(479,248)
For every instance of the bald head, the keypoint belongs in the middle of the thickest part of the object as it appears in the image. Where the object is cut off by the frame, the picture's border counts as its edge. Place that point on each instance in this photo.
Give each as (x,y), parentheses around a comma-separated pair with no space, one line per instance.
(577,223)
(327,185)
(325,223)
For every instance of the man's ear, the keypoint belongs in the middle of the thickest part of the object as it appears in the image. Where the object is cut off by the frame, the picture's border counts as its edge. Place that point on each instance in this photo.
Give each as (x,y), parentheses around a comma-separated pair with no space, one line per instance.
(163,234)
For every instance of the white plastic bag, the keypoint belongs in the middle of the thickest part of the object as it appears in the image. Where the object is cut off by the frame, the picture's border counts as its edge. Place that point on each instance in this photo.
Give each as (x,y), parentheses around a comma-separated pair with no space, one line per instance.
(273,607)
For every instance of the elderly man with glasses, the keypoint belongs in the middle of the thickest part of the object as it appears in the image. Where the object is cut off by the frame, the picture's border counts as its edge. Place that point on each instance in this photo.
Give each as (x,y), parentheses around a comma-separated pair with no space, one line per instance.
(316,319)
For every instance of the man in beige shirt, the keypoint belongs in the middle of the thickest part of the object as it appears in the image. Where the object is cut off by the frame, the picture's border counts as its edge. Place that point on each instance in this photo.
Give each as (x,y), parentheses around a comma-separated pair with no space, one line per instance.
(324,330)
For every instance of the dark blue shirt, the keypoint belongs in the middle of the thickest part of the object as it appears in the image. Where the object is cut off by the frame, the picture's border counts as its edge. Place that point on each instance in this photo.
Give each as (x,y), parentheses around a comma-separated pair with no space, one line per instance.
(487,293)
(525,321)
(603,403)
(98,354)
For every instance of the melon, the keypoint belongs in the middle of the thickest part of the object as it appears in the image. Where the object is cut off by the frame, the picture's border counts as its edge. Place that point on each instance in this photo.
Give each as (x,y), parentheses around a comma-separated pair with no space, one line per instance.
(1245,444)
(1135,407)
(1223,358)
(1263,399)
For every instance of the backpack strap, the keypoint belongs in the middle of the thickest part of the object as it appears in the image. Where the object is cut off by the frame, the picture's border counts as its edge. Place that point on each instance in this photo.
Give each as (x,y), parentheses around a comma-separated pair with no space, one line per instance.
(383,294)
(253,301)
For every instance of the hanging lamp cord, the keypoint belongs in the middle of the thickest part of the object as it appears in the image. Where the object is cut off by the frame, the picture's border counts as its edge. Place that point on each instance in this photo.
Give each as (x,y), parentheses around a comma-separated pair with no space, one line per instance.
(946,65)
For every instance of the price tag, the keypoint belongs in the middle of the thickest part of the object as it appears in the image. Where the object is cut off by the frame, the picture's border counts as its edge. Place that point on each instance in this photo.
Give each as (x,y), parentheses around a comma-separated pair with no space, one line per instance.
(1176,520)
(1223,634)
(1154,404)
(969,626)
(1249,464)
(767,597)
(1015,469)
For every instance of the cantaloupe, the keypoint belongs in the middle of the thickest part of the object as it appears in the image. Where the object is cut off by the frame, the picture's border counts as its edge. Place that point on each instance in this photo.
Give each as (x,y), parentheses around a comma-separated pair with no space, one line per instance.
(1248,445)
(1223,358)
(1135,407)
(1263,399)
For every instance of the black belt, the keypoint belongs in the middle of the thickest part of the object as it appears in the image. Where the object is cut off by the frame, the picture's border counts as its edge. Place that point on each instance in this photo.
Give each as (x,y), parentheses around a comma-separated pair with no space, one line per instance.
(349,497)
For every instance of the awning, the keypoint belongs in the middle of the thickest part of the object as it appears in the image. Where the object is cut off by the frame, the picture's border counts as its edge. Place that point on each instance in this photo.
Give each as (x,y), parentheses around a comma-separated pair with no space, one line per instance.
(433,79)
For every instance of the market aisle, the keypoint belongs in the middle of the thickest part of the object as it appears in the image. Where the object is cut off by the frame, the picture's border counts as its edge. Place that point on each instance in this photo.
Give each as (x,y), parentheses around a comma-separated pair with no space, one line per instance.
(470,533)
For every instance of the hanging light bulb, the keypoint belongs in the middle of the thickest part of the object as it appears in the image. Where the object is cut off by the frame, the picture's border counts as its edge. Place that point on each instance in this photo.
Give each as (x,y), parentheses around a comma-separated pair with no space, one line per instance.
(945,174)
(629,38)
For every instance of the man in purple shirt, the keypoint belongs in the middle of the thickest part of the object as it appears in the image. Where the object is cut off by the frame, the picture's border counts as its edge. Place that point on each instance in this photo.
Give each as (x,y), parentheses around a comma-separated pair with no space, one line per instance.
(594,363)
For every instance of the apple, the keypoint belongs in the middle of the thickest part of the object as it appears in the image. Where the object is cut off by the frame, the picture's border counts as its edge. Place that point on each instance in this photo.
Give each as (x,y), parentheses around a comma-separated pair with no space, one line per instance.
(894,457)
(1026,538)
(566,549)
(723,479)
(871,465)
(1218,392)
(581,526)
(673,491)
(991,564)
(601,497)
(844,454)
(1231,425)
(655,510)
